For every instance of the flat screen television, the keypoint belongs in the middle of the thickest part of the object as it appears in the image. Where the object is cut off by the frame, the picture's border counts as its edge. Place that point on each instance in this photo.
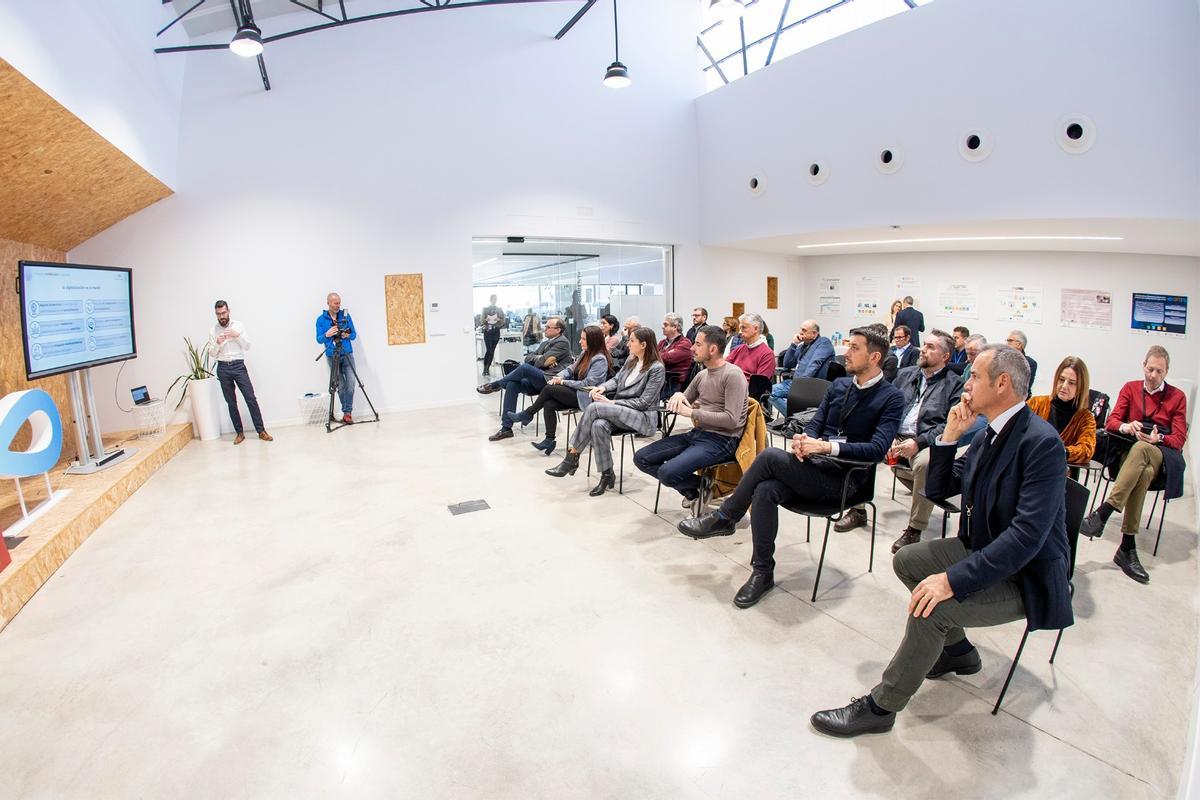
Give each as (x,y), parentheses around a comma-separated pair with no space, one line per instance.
(74,316)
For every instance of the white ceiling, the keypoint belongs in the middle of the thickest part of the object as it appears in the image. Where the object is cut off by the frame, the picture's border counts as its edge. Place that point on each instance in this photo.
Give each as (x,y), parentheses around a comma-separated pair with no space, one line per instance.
(1155,237)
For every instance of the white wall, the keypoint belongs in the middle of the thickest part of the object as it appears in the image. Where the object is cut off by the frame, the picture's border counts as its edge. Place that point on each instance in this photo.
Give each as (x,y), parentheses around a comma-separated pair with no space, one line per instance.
(96,58)
(920,80)
(383,148)
(732,276)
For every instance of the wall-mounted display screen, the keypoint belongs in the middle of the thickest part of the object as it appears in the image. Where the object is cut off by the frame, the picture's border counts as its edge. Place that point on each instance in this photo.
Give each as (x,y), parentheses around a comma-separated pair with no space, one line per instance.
(1159,313)
(74,316)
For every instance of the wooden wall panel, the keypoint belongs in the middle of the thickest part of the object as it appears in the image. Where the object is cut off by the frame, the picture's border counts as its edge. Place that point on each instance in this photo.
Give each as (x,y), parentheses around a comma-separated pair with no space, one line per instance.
(12,358)
(739,309)
(62,182)
(405,298)
(772,293)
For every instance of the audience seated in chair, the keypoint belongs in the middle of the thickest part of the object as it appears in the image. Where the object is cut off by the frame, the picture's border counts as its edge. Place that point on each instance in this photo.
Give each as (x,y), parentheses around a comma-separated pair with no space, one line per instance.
(529,377)
(753,356)
(675,350)
(930,391)
(890,364)
(1152,415)
(614,338)
(906,352)
(569,388)
(1010,560)
(807,356)
(715,401)
(626,402)
(1068,410)
(699,320)
(1018,340)
(857,420)
(732,336)
(961,334)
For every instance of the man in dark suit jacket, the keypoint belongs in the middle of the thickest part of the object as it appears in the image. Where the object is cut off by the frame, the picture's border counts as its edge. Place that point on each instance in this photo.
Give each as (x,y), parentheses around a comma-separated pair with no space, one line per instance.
(1010,559)
(911,318)
(906,350)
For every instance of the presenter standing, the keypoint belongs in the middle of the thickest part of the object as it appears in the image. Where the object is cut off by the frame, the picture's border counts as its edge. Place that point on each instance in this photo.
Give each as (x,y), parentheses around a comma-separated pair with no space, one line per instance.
(228,343)
(335,325)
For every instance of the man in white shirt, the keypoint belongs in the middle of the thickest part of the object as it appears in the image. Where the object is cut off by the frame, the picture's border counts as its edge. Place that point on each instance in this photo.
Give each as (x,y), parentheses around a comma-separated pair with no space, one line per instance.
(228,343)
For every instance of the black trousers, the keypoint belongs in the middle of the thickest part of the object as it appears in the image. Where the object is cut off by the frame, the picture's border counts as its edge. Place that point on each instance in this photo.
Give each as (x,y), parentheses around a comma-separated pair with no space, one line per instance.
(234,373)
(491,338)
(552,399)
(778,478)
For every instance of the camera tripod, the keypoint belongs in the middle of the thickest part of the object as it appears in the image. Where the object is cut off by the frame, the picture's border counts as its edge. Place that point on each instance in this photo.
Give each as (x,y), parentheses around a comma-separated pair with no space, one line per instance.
(335,381)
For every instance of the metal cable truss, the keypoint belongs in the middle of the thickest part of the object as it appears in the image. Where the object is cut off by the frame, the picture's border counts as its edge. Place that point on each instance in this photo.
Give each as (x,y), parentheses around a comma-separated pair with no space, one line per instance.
(243,14)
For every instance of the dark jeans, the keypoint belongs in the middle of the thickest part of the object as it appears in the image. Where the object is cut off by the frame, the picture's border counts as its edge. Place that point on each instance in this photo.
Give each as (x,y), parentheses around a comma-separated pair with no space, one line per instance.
(345,380)
(550,401)
(234,373)
(525,379)
(778,478)
(490,340)
(675,459)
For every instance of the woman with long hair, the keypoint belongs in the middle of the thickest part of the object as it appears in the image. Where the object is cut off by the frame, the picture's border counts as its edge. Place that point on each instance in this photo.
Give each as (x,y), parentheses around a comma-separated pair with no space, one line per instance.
(896,306)
(568,389)
(610,326)
(626,402)
(1069,410)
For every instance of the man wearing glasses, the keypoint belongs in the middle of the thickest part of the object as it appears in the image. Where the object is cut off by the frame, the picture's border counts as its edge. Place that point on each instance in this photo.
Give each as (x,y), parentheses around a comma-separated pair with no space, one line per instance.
(699,320)
(1017,340)
(551,356)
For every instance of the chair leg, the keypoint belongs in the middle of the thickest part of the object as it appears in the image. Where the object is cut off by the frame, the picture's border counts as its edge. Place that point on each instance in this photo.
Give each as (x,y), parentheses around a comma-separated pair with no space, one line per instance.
(657,492)
(1153,508)
(589,466)
(1011,670)
(621,479)
(1161,518)
(1058,639)
(808,530)
(945,521)
(893,485)
(821,562)
(874,515)
(569,417)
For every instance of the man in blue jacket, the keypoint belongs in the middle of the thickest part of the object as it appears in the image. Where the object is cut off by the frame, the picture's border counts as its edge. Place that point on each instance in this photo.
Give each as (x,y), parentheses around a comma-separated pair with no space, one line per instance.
(807,356)
(333,325)
(857,420)
(1010,559)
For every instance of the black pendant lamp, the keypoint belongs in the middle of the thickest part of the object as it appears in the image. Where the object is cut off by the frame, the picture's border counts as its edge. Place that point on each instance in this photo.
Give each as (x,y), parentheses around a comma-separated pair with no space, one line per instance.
(617,74)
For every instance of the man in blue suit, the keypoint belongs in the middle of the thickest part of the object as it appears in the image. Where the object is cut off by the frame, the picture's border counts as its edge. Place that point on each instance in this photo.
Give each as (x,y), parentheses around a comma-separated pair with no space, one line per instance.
(807,357)
(1011,557)
(912,319)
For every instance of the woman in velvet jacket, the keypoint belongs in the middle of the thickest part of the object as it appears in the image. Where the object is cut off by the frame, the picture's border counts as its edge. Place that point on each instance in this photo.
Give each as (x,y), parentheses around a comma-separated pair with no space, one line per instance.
(1068,410)
(569,388)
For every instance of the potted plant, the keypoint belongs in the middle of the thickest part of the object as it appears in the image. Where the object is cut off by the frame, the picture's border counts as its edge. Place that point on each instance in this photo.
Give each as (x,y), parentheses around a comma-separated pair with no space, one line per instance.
(200,386)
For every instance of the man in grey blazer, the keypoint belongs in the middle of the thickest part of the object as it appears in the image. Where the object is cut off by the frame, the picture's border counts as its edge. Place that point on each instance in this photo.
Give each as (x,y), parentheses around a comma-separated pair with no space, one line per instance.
(550,357)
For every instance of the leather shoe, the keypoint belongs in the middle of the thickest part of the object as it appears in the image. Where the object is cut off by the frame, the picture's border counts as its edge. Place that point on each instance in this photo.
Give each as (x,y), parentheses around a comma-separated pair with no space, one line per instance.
(523,417)
(503,433)
(566,467)
(910,536)
(239,439)
(608,479)
(967,664)
(705,527)
(852,720)
(1131,565)
(266,437)
(1092,525)
(752,590)
(854,518)
(486,388)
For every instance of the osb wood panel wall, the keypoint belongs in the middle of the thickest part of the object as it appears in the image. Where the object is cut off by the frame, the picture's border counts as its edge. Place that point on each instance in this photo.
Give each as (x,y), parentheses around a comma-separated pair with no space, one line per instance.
(12,357)
(62,182)
(405,298)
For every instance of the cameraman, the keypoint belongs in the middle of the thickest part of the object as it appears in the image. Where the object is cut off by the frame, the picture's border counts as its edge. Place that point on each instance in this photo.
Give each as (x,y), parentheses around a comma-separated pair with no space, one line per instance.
(334,325)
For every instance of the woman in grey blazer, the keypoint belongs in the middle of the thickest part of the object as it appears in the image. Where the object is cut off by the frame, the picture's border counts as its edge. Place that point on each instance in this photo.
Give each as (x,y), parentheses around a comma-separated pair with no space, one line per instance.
(627,402)
(568,389)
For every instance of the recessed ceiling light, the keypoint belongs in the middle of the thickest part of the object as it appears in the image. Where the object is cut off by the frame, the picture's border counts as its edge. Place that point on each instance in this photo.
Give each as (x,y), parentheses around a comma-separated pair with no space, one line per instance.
(937,239)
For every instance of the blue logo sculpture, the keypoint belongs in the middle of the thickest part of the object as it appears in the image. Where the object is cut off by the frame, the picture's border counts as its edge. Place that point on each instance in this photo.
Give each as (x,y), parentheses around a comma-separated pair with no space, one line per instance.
(45,445)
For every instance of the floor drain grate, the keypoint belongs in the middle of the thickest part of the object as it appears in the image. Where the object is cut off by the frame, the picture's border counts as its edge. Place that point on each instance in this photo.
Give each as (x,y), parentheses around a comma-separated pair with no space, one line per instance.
(468,506)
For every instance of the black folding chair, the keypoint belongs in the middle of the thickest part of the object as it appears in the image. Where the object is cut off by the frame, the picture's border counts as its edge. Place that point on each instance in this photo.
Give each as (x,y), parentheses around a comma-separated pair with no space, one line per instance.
(834,510)
(804,393)
(624,434)
(835,369)
(1108,475)
(1077,502)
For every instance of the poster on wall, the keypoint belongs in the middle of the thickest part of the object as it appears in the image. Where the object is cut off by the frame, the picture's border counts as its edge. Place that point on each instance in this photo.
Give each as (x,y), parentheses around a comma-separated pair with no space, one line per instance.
(866,296)
(1019,304)
(908,286)
(829,297)
(1159,314)
(958,300)
(1086,308)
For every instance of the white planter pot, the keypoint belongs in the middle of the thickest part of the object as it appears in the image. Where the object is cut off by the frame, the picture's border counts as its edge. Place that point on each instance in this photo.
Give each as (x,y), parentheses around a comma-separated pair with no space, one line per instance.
(205,396)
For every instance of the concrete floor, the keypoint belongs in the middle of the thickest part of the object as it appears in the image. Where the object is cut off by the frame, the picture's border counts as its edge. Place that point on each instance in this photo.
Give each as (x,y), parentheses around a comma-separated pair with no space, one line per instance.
(305,619)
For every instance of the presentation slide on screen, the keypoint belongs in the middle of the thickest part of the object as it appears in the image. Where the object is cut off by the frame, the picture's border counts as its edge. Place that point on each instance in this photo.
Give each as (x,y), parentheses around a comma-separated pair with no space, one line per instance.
(1159,313)
(76,316)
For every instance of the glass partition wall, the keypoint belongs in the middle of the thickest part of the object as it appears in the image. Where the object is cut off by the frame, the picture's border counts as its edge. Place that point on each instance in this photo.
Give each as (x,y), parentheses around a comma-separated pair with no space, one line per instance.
(578,280)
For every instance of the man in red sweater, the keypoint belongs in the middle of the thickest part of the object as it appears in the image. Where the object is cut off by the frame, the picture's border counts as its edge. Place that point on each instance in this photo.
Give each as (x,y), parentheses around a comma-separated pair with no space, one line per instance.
(1153,415)
(675,350)
(753,355)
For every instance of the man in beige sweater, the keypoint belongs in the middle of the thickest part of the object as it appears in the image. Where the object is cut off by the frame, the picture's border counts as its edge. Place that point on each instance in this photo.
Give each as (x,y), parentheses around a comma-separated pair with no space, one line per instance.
(716,403)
